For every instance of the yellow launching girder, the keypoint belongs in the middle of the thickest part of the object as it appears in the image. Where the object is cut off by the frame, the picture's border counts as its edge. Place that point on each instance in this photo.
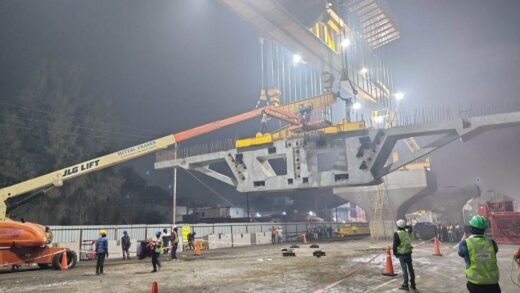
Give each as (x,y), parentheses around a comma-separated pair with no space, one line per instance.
(285,133)
(259,139)
(343,126)
(317,103)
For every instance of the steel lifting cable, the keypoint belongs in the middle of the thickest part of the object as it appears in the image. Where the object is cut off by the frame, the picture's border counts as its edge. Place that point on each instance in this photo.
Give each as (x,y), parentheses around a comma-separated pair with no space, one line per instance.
(344,62)
(271,63)
(262,59)
(289,79)
(209,188)
(278,66)
(284,92)
(344,54)
(262,69)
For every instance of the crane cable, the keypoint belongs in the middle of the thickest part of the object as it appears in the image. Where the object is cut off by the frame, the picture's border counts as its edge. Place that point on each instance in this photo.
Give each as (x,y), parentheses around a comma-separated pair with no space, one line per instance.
(344,73)
(209,188)
(344,56)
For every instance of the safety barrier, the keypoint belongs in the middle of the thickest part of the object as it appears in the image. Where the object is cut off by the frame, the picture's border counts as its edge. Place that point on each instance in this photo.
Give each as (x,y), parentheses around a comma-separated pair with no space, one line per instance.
(80,238)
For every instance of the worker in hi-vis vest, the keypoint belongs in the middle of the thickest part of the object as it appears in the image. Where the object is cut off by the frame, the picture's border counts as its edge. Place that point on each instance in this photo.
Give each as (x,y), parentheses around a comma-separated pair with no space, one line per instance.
(479,253)
(403,251)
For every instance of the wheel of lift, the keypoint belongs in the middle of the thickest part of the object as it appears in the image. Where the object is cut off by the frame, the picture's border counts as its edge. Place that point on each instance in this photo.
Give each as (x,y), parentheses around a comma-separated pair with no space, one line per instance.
(72,260)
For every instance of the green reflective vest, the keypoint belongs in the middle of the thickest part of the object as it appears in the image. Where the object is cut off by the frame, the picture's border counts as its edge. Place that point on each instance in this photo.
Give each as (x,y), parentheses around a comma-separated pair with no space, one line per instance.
(483,269)
(159,245)
(405,244)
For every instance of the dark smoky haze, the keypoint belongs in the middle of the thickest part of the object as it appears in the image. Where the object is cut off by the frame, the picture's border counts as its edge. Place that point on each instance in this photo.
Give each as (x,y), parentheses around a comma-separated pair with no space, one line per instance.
(159,67)
(463,55)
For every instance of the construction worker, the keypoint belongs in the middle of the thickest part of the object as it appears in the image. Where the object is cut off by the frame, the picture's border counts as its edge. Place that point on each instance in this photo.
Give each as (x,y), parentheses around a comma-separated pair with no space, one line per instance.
(402,248)
(166,240)
(125,245)
(279,235)
(458,231)
(263,122)
(48,234)
(516,257)
(157,245)
(174,237)
(101,251)
(191,240)
(479,253)
(450,232)
(273,235)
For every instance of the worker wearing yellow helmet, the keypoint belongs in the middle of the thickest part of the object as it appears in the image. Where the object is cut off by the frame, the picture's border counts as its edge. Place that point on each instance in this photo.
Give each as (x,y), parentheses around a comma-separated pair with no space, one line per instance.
(479,253)
(101,251)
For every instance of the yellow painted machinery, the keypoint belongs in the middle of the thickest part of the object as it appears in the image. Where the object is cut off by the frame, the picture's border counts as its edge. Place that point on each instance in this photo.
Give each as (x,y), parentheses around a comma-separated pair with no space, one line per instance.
(354,229)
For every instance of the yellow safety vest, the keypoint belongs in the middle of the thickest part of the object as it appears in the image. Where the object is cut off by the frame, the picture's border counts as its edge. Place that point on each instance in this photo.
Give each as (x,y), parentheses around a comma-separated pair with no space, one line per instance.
(405,244)
(483,269)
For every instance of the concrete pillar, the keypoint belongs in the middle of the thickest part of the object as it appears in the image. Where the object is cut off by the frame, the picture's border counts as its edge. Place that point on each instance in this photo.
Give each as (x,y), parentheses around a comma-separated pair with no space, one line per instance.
(401,186)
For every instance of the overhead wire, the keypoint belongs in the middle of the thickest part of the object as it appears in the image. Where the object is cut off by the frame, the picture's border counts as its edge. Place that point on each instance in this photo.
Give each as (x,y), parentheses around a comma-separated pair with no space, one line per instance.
(41,120)
(76,118)
(55,132)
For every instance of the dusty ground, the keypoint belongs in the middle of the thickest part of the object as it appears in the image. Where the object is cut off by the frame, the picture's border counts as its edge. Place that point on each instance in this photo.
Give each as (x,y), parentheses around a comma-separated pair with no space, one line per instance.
(263,269)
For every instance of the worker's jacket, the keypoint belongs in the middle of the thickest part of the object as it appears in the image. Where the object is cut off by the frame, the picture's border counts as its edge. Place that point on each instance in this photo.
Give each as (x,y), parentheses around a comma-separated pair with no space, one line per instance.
(158,244)
(482,269)
(102,245)
(405,244)
(174,238)
(125,242)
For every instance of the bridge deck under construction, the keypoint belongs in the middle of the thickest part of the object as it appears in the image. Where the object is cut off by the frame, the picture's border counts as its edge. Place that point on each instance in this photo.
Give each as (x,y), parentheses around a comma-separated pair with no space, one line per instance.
(349,266)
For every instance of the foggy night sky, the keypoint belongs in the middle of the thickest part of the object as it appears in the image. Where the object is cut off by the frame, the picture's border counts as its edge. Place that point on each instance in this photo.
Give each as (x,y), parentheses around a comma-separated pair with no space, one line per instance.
(167,66)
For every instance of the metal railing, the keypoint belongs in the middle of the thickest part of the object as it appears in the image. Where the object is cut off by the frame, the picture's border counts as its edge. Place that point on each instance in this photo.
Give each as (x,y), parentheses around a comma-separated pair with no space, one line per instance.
(290,231)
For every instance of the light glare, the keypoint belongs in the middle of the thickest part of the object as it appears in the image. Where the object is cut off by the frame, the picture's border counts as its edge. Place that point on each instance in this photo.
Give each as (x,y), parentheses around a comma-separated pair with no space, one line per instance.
(346,43)
(296,58)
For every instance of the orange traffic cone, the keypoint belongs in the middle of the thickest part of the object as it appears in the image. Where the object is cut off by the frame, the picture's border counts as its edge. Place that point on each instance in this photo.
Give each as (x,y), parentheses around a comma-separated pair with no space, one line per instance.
(197,248)
(304,238)
(436,249)
(64,262)
(389,269)
(155,287)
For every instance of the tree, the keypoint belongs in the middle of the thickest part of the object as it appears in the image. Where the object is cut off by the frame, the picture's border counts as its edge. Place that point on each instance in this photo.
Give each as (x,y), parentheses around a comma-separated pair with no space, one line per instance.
(54,124)
(46,128)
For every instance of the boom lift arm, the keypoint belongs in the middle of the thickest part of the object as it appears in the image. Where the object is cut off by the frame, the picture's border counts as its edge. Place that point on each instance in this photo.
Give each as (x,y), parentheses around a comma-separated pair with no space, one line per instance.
(56,178)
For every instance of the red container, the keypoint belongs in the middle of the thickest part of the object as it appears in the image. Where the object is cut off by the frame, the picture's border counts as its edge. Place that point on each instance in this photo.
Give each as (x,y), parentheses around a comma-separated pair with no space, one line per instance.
(505,227)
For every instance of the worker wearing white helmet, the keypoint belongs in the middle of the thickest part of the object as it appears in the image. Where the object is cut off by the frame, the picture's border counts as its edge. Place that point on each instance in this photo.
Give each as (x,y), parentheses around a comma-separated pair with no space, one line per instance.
(403,250)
